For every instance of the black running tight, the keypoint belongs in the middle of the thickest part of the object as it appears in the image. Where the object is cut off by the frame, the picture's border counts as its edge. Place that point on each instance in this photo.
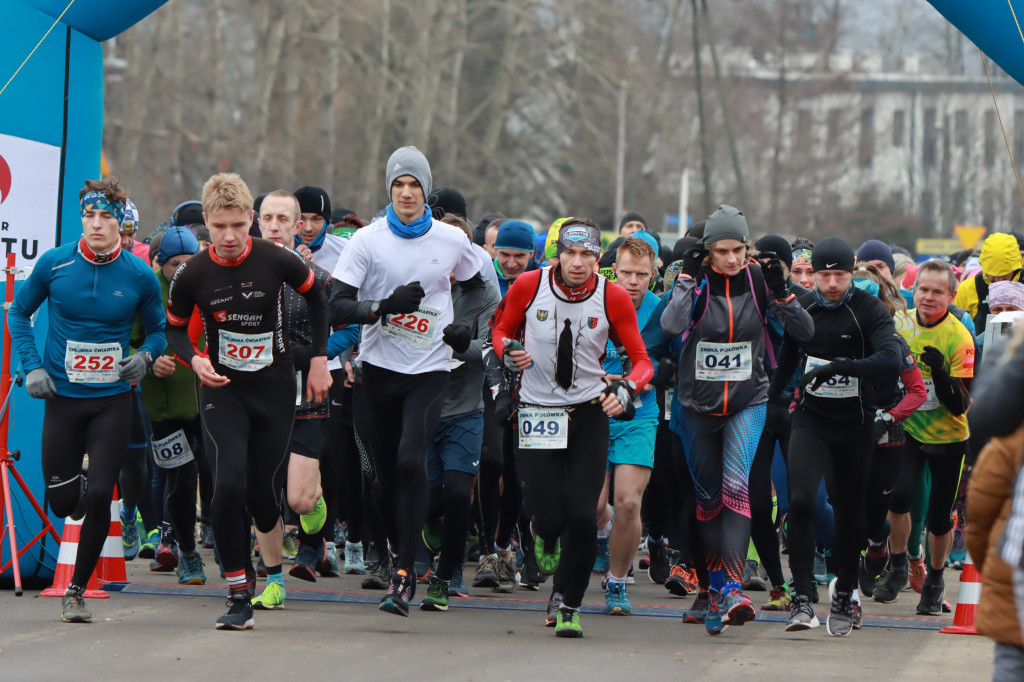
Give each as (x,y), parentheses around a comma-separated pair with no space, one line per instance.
(182,483)
(945,463)
(762,527)
(499,492)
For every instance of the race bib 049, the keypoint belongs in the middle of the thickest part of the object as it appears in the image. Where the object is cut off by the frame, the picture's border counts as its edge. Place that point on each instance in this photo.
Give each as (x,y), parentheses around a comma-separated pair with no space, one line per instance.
(246,352)
(417,328)
(543,428)
(723,361)
(92,363)
(173,451)
(837,386)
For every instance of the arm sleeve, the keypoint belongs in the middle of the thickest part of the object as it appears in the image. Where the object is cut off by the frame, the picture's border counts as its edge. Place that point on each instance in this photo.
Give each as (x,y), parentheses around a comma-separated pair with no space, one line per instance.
(301,277)
(151,312)
(181,307)
(342,339)
(914,397)
(346,309)
(794,318)
(622,319)
(789,358)
(676,315)
(473,298)
(514,306)
(19,318)
(885,358)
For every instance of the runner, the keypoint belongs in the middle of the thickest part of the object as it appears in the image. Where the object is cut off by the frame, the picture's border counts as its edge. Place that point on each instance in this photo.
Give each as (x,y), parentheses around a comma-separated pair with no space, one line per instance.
(93,292)
(854,350)
(718,305)
(394,279)
(249,389)
(561,318)
(129,229)
(802,271)
(312,237)
(1000,260)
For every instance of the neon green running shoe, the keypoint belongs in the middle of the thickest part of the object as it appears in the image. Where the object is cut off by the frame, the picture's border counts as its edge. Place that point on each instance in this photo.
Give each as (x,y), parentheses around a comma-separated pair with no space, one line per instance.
(567,623)
(437,596)
(547,561)
(290,543)
(314,520)
(148,548)
(271,599)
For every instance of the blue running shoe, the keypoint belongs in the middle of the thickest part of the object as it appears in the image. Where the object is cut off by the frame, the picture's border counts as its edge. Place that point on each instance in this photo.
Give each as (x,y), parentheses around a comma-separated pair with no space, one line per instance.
(603,561)
(736,607)
(190,569)
(129,535)
(148,549)
(616,600)
(713,621)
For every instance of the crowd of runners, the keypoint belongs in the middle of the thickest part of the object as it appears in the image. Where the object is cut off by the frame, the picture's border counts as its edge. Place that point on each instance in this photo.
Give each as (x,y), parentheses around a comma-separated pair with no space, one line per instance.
(279,380)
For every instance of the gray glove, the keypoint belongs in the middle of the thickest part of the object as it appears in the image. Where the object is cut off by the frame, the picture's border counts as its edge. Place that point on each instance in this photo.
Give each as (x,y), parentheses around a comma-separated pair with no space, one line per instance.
(39,384)
(133,368)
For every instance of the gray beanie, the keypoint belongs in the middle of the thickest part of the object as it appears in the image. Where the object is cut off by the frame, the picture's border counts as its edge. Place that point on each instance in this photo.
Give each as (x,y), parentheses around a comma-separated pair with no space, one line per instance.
(726,223)
(409,161)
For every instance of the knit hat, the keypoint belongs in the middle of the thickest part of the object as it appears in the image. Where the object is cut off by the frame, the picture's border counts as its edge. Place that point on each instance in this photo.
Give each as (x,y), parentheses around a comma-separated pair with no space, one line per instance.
(1006,293)
(408,161)
(131,216)
(447,201)
(631,216)
(1000,255)
(680,247)
(314,200)
(873,249)
(832,253)
(338,214)
(575,235)
(726,223)
(516,234)
(187,213)
(697,230)
(175,242)
(647,237)
(773,243)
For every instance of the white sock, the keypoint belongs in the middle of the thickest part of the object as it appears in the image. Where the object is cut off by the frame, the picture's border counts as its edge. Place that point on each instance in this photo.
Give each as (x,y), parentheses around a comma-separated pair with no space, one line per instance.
(855,596)
(499,550)
(605,531)
(616,579)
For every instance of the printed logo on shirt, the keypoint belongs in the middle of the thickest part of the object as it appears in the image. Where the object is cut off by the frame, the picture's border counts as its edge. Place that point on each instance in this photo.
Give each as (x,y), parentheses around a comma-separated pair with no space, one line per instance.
(592,322)
(542,315)
(118,293)
(968,357)
(252,294)
(246,319)
(434,261)
(221,300)
(220,315)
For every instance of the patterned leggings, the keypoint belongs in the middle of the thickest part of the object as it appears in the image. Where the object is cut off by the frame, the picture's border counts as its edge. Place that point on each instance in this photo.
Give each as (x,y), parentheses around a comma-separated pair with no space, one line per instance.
(719,452)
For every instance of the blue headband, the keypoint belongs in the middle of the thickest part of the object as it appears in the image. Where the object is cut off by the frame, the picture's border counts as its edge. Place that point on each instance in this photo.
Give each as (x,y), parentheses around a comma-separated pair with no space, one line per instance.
(97,201)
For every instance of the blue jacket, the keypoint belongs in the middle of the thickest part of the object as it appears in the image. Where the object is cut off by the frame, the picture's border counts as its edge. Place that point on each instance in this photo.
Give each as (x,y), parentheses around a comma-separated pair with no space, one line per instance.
(86,303)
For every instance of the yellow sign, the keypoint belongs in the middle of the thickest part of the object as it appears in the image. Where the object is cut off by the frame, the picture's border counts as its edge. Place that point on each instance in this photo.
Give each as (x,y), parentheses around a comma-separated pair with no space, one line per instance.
(970,235)
(938,246)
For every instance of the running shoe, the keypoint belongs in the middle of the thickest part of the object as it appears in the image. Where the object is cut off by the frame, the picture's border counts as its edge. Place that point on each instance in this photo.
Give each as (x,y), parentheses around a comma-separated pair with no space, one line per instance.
(166,559)
(931,599)
(657,568)
(271,598)
(190,569)
(437,595)
(73,607)
(547,561)
(872,563)
(400,593)
(432,534)
(206,536)
(261,568)
(148,548)
(801,615)
(423,565)
(821,566)
(779,599)
(858,615)
(239,615)
(340,534)
(505,569)
(554,604)
(713,623)
(752,579)
(682,581)
(378,576)
(893,581)
(698,611)
(129,534)
(304,567)
(567,623)
(354,564)
(487,572)
(603,562)
(290,543)
(840,615)
(328,567)
(630,577)
(616,600)
(918,572)
(313,522)
(456,586)
(736,608)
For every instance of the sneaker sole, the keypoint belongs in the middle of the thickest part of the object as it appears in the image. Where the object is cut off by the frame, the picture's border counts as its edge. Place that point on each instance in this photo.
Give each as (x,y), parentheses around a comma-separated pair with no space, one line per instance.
(619,611)
(485,581)
(884,599)
(259,606)
(569,634)
(505,589)
(828,628)
(249,625)
(165,562)
(75,619)
(739,614)
(677,588)
(433,606)
(193,581)
(391,606)
(351,570)
(693,620)
(303,573)
(800,627)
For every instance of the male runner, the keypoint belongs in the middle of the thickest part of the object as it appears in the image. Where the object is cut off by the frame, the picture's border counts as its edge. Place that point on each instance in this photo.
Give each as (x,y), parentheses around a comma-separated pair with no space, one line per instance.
(93,292)
(398,268)
(249,386)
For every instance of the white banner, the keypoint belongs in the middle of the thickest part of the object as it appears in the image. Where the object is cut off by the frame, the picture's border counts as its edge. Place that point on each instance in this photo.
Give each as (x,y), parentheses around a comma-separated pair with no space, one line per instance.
(29,186)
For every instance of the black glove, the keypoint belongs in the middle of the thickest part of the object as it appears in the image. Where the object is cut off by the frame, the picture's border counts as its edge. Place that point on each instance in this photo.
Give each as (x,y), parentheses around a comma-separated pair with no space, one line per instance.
(457,336)
(816,377)
(775,278)
(403,300)
(693,259)
(504,407)
(667,370)
(883,422)
(623,390)
(933,357)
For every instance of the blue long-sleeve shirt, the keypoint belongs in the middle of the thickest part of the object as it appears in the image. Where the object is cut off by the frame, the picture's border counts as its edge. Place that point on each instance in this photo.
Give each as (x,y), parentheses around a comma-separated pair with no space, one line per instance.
(86,304)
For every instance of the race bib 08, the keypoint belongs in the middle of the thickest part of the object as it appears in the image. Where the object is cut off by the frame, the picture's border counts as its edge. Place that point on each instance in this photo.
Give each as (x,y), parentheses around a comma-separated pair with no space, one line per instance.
(92,363)
(543,428)
(173,451)
(246,352)
(932,401)
(417,328)
(723,361)
(837,386)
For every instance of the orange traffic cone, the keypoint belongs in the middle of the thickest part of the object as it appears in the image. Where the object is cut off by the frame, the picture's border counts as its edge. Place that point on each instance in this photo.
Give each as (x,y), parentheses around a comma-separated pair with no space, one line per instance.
(66,565)
(967,601)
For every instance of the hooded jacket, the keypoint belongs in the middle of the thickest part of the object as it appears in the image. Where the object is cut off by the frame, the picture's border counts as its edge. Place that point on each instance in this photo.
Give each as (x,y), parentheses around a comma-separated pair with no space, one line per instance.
(1000,256)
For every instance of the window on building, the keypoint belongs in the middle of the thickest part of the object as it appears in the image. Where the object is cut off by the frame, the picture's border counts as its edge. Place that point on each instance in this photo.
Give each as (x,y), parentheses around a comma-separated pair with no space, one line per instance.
(960,134)
(928,152)
(990,139)
(899,127)
(866,149)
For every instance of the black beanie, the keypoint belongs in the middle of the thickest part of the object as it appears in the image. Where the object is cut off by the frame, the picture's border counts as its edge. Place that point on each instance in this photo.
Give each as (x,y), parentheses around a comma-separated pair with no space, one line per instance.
(447,201)
(630,216)
(773,243)
(680,247)
(832,253)
(697,230)
(314,200)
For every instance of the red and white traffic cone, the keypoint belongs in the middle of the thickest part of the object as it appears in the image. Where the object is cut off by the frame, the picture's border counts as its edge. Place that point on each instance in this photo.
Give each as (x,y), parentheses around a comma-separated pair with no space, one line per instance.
(111,568)
(967,601)
(66,564)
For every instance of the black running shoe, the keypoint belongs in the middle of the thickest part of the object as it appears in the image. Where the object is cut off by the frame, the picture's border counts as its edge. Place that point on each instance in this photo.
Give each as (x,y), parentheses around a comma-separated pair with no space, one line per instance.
(400,593)
(239,615)
(658,568)
(931,599)
(378,576)
(894,581)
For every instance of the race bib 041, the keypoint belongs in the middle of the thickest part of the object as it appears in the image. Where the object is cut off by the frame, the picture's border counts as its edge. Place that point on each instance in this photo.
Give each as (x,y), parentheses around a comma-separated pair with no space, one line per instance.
(837,386)
(417,328)
(543,428)
(246,352)
(173,451)
(92,363)
(723,361)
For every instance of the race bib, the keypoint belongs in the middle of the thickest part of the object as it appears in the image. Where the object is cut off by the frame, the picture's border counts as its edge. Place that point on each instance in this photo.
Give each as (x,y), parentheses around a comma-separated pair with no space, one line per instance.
(932,401)
(837,386)
(173,451)
(723,361)
(246,352)
(92,363)
(543,428)
(417,328)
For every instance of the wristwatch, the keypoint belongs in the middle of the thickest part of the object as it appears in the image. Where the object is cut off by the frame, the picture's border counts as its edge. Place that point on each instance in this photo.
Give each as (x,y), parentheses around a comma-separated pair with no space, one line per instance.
(375,308)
